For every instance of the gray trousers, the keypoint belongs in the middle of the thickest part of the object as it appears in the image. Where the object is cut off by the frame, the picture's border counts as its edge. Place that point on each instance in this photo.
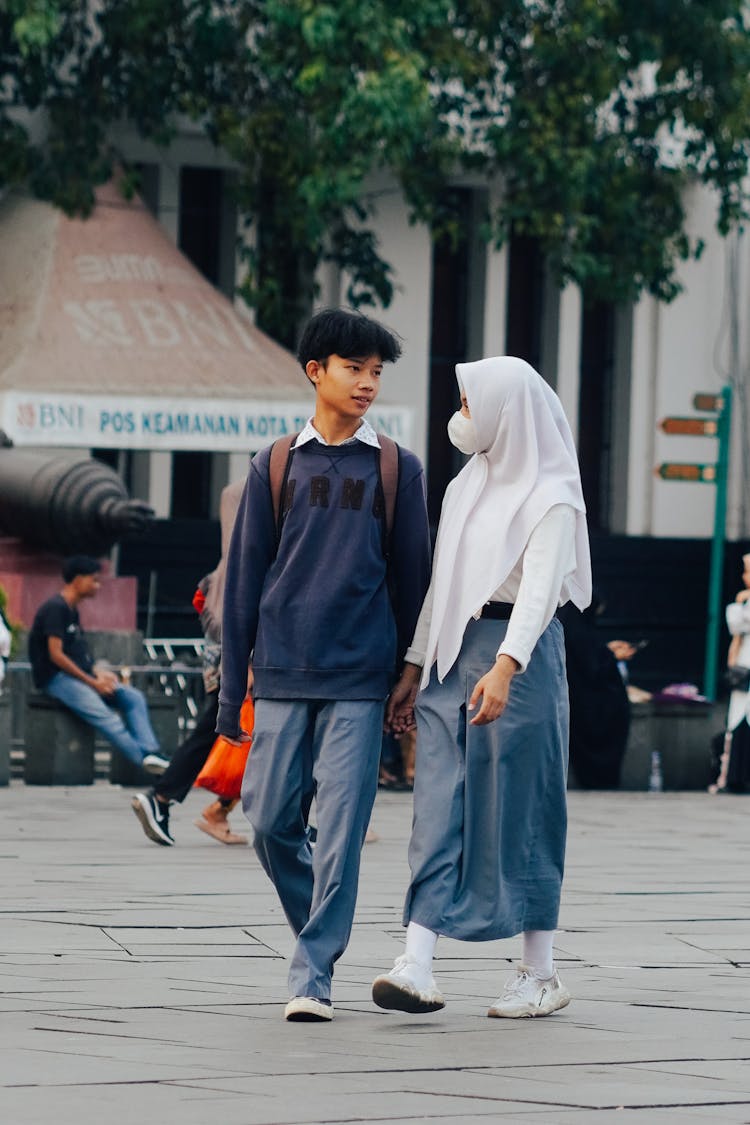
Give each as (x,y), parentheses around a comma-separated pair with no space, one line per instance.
(488,842)
(329,749)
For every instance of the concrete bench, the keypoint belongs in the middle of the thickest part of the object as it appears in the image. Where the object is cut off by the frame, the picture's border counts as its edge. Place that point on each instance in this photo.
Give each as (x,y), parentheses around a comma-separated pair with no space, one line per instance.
(59,747)
(164,712)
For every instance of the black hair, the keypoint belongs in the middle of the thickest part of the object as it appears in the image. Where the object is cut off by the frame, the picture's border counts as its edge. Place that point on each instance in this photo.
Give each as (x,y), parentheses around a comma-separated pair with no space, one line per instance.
(79,564)
(348,334)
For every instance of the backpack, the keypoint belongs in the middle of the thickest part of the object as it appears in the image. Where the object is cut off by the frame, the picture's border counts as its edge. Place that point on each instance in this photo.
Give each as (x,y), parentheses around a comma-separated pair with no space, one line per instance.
(388,471)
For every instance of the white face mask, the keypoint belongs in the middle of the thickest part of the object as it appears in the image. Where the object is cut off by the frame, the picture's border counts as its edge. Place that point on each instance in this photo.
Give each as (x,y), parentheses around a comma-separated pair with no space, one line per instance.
(462,433)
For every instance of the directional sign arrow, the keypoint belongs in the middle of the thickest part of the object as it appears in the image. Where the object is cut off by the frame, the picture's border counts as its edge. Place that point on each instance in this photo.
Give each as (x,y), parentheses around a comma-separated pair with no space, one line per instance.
(708,402)
(706,427)
(672,470)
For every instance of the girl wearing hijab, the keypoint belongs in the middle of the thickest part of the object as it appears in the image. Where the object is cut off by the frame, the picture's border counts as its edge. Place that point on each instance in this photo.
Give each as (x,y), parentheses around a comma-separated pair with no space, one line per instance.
(488,839)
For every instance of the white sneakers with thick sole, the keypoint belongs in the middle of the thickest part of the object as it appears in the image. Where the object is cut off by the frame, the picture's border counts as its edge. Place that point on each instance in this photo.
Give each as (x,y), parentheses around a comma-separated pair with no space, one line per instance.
(527,995)
(409,987)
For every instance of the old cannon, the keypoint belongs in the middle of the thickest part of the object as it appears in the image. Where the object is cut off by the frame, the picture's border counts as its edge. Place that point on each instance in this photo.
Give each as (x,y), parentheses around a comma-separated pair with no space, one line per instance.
(65,506)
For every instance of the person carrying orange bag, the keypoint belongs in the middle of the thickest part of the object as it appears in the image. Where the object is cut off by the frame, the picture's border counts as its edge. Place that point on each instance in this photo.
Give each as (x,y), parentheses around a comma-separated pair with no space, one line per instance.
(225,766)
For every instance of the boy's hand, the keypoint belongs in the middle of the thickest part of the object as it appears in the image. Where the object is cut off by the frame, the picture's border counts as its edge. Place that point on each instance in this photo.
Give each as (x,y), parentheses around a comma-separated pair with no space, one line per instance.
(493,688)
(399,714)
(240,740)
(105,683)
(403,721)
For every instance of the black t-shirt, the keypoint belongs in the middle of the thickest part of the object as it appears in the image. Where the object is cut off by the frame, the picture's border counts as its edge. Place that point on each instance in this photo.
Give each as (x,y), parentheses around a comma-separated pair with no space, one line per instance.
(55,618)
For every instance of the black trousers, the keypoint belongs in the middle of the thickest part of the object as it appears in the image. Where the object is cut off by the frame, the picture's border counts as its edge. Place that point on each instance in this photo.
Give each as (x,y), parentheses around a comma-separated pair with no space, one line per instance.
(189,757)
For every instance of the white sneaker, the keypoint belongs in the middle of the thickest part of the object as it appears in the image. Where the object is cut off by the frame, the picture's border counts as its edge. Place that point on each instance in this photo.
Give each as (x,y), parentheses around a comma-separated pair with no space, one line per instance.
(308,1009)
(409,987)
(155,764)
(526,995)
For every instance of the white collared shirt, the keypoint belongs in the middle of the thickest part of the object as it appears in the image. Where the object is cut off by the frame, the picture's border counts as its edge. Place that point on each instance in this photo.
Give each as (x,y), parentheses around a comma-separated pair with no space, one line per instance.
(365,434)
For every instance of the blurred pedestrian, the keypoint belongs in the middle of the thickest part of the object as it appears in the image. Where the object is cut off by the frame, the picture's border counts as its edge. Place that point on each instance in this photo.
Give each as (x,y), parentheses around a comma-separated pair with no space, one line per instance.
(152,807)
(599,704)
(63,667)
(734,757)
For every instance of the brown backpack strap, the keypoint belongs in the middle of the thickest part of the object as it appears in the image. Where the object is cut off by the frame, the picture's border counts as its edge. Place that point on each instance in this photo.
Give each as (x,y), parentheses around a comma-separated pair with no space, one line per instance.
(389,467)
(278,470)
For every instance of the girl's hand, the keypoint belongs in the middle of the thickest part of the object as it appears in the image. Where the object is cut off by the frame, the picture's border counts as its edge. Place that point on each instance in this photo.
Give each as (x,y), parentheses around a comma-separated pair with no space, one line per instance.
(493,688)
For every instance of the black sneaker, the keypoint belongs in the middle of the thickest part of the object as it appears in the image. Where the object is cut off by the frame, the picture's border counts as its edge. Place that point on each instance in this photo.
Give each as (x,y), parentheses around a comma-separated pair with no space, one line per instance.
(154,817)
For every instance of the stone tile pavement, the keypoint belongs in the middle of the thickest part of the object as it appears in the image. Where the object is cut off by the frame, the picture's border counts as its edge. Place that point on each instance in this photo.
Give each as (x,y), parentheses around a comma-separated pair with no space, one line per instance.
(141,984)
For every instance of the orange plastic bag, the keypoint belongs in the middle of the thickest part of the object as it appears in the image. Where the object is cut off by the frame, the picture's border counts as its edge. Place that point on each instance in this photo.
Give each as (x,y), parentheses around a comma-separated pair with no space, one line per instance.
(225,765)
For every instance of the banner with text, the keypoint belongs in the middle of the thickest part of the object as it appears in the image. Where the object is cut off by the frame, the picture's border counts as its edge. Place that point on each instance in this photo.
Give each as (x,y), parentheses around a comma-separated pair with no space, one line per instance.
(214,425)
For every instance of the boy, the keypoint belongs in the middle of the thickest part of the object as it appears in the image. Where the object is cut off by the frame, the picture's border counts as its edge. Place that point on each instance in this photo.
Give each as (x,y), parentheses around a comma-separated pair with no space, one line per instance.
(326,618)
(63,667)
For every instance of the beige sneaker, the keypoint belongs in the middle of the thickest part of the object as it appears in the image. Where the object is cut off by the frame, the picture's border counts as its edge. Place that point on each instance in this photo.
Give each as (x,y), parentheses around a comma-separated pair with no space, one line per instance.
(308,1009)
(526,995)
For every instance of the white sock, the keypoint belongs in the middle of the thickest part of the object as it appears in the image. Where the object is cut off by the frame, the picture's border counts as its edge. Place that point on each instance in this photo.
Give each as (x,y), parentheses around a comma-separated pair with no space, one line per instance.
(537,952)
(420,943)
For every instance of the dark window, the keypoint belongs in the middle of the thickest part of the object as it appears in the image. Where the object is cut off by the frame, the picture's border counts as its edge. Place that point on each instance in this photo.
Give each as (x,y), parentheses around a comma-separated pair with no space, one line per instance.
(595,410)
(199,235)
(191,486)
(523,333)
(448,343)
(121,460)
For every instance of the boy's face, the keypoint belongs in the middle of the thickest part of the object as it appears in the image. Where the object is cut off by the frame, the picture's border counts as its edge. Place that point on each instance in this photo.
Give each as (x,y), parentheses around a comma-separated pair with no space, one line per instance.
(346,385)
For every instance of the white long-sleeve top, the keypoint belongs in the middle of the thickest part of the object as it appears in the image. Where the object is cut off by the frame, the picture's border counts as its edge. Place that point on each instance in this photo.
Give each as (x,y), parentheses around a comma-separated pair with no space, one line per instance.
(533,585)
(738,618)
(738,623)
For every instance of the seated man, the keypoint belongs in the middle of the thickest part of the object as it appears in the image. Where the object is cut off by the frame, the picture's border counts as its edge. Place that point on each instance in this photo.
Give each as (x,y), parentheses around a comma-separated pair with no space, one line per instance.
(62,666)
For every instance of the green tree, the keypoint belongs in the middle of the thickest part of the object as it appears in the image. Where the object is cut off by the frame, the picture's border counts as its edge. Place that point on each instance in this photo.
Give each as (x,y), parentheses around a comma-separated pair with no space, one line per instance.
(595,115)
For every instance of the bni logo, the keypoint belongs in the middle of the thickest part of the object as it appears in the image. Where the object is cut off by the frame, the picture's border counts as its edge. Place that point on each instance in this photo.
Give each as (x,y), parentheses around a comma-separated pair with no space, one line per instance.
(26,416)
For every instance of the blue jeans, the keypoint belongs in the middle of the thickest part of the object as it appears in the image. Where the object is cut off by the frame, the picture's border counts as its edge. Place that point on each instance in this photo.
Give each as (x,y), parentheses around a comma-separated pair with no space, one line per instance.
(122,718)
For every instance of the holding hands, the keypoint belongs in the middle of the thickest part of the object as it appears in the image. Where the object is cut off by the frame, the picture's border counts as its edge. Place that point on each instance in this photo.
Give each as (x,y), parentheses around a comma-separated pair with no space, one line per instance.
(492,689)
(399,712)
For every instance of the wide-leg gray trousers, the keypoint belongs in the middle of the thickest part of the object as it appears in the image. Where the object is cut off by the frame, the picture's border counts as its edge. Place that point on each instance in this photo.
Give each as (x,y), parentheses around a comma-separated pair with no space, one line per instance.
(330,750)
(488,841)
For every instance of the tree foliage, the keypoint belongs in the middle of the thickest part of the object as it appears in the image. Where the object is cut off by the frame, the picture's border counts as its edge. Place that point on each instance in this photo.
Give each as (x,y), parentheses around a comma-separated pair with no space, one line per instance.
(594,116)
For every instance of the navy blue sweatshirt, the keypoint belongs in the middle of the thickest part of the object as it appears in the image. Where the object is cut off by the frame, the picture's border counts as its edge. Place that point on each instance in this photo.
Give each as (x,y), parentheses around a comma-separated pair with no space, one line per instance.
(317,615)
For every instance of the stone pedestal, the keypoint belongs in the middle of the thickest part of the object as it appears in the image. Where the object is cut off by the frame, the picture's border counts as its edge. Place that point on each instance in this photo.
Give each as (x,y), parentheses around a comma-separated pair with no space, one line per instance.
(680,733)
(59,745)
(164,711)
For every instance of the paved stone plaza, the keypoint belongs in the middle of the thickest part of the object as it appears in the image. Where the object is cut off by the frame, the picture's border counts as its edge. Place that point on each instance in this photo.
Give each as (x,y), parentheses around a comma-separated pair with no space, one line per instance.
(143,984)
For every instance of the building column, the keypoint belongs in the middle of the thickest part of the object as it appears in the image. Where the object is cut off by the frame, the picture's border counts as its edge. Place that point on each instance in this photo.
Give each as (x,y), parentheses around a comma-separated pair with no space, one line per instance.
(495,295)
(569,353)
(237,467)
(160,483)
(642,435)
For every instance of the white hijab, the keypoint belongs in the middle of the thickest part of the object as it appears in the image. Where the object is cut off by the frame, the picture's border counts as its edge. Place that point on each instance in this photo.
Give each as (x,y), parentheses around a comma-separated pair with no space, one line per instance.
(527,463)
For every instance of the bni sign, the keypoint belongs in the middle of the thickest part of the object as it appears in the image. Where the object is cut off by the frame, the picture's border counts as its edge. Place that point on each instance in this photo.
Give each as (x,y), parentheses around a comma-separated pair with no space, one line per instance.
(211,425)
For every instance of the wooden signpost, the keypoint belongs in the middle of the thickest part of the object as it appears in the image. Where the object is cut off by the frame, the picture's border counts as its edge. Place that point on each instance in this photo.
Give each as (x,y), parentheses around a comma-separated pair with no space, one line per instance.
(718,427)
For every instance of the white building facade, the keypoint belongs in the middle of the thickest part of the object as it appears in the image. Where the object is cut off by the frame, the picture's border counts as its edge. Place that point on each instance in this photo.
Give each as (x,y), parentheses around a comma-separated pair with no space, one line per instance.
(618,370)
